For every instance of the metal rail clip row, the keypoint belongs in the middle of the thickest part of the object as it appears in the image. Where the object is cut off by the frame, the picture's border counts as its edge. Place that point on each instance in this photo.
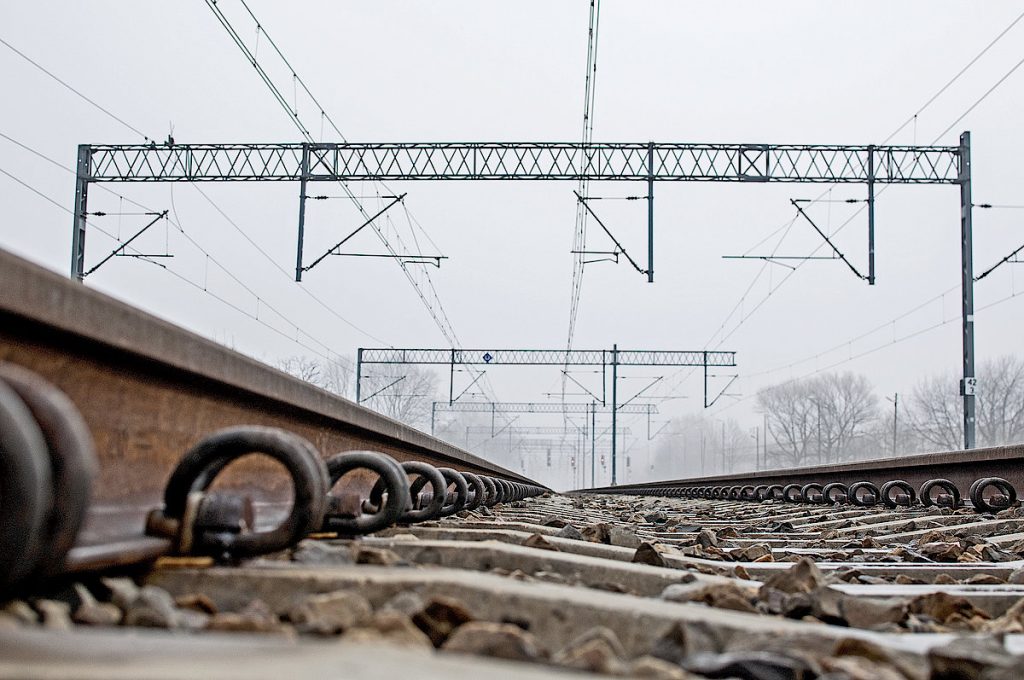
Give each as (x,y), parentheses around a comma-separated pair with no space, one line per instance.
(48,467)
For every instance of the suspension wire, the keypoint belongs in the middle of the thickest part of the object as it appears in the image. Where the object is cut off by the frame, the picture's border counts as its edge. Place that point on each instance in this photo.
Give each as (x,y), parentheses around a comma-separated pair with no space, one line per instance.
(73,90)
(234,224)
(435,308)
(580,228)
(885,345)
(141,256)
(689,372)
(580,231)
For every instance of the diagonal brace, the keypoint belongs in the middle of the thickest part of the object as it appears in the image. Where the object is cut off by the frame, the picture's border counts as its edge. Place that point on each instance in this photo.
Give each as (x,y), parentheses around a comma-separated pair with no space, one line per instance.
(828,241)
(368,222)
(120,248)
(618,245)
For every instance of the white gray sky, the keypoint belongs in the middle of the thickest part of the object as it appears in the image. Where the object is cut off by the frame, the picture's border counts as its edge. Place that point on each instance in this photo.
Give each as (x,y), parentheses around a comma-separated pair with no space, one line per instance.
(784,72)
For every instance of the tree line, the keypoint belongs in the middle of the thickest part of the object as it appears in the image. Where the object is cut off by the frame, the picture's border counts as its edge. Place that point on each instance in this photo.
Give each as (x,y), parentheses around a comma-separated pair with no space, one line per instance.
(837,417)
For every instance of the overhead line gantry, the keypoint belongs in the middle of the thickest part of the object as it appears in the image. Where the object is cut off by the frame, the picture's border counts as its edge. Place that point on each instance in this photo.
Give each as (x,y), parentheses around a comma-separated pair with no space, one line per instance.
(648,162)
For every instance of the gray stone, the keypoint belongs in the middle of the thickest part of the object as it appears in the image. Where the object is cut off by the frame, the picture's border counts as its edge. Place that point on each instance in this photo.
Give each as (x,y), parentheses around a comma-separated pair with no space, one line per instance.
(728,595)
(153,608)
(257,617)
(539,542)
(196,602)
(597,533)
(22,612)
(802,577)
(596,656)
(624,538)
(123,591)
(56,615)
(330,613)
(390,627)
(944,608)
(656,669)
(553,521)
(752,553)
(318,552)
(500,640)
(1016,577)
(749,666)
(602,633)
(867,612)
(683,592)
(440,617)
(98,614)
(707,538)
(682,640)
(652,554)
(378,556)
(405,602)
(942,551)
(859,668)
(569,531)
(969,657)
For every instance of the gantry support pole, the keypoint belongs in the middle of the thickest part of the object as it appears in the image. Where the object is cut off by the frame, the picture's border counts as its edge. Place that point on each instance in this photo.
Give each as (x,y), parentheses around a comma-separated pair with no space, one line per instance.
(871,215)
(451,380)
(359,374)
(650,212)
(303,178)
(82,171)
(615,404)
(593,444)
(968,384)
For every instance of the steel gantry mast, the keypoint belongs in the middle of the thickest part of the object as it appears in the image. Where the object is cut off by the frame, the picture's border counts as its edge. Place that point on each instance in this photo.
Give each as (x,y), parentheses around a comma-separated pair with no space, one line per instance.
(647,162)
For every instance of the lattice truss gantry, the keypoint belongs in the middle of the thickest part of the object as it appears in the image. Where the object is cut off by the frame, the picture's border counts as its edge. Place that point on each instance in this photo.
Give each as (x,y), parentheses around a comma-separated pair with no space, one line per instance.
(525,161)
(648,162)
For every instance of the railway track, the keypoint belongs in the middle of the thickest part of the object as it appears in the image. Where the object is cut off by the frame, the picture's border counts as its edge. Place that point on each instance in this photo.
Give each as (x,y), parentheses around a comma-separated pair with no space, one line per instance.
(133,545)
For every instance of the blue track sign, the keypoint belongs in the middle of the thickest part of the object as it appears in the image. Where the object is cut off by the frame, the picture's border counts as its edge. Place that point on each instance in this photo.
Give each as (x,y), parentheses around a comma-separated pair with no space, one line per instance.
(487,357)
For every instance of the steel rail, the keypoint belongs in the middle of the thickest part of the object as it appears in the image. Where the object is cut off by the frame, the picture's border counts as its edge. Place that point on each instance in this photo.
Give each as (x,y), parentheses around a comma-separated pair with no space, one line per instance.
(957,466)
(149,390)
(962,468)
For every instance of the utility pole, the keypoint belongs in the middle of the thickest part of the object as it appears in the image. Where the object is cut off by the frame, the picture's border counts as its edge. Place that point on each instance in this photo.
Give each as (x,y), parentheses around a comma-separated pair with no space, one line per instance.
(615,404)
(819,432)
(593,444)
(765,441)
(895,416)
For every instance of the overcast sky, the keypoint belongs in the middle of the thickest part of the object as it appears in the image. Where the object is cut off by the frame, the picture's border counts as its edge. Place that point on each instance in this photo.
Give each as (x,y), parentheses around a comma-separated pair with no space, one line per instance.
(783,72)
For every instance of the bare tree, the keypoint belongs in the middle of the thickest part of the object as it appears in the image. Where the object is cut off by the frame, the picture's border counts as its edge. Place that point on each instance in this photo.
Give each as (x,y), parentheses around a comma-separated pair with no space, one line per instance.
(332,375)
(301,367)
(936,408)
(935,412)
(818,419)
(848,410)
(792,421)
(1001,401)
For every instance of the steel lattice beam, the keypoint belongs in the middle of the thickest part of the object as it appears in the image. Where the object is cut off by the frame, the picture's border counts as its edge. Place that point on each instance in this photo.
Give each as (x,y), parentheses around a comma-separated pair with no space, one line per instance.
(529,430)
(525,161)
(544,357)
(536,407)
